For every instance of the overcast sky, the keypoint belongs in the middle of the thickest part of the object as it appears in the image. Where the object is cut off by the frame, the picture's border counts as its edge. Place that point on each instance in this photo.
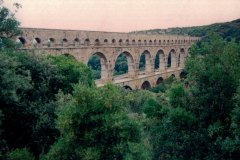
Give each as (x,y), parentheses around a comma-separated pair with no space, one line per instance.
(123,15)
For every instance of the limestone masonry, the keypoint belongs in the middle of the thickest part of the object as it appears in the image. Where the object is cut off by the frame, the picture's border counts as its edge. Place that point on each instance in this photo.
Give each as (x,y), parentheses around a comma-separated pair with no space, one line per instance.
(108,46)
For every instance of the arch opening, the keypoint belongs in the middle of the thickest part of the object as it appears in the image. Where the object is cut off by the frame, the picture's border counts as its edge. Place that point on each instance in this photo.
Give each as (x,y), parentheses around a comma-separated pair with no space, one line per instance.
(172,59)
(124,63)
(183,75)
(20,42)
(87,42)
(127,42)
(37,40)
(139,42)
(181,58)
(64,42)
(145,62)
(160,60)
(113,41)
(76,41)
(50,42)
(133,41)
(97,42)
(105,41)
(159,80)
(98,63)
(146,85)
(120,41)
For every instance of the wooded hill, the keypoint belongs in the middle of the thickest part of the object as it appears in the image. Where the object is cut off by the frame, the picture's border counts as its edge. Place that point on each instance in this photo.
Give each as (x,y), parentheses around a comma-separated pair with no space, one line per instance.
(227,30)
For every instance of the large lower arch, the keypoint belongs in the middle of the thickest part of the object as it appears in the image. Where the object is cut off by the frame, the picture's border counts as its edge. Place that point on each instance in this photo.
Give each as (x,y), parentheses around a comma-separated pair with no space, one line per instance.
(159,80)
(160,60)
(172,59)
(98,62)
(124,63)
(181,58)
(145,62)
(146,85)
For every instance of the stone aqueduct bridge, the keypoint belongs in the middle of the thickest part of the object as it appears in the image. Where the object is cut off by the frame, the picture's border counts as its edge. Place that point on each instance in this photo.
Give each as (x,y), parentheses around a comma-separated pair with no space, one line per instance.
(108,46)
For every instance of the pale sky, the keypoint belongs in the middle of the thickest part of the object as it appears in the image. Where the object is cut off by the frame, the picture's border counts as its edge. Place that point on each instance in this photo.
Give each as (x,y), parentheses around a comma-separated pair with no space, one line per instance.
(123,15)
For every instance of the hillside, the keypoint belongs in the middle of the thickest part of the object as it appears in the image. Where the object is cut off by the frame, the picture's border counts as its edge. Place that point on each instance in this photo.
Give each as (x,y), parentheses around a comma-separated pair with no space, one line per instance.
(227,30)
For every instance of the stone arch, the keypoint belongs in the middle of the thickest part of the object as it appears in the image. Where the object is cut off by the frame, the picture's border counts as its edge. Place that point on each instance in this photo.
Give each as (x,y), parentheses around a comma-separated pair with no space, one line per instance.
(97,42)
(171,61)
(103,63)
(145,42)
(181,58)
(130,62)
(139,42)
(150,42)
(155,42)
(127,87)
(160,60)
(36,40)
(64,42)
(147,60)
(113,41)
(22,41)
(146,85)
(172,76)
(183,75)
(50,41)
(159,80)
(127,42)
(87,42)
(120,41)
(105,41)
(133,42)
(76,41)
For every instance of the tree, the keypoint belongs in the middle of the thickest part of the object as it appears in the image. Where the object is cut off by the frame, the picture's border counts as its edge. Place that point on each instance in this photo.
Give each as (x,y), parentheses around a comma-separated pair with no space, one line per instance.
(200,121)
(8,26)
(95,124)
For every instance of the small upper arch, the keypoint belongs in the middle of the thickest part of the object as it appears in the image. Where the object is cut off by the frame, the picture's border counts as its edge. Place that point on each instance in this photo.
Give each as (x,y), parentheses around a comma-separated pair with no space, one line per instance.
(22,40)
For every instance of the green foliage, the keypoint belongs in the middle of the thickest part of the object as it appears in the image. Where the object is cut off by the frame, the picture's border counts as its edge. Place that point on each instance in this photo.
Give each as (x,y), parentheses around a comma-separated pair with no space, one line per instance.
(199,120)
(29,84)
(8,26)
(95,124)
(20,154)
(72,72)
(137,99)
